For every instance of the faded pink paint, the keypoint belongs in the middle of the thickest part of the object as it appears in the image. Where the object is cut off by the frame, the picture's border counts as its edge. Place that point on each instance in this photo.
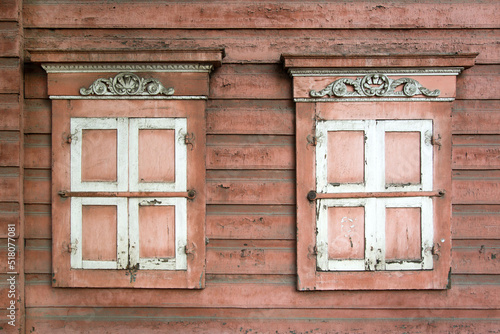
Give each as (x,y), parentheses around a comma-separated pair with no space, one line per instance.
(99,155)
(402,157)
(99,232)
(346,233)
(346,157)
(156,155)
(402,234)
(157,231)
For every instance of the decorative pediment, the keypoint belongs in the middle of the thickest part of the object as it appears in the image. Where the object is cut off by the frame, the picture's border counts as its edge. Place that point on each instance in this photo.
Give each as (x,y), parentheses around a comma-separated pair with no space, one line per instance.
(126,84)
(375,84)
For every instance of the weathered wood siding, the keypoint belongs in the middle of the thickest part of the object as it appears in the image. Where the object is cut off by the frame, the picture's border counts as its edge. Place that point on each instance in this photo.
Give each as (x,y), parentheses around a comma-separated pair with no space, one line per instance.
(251,281)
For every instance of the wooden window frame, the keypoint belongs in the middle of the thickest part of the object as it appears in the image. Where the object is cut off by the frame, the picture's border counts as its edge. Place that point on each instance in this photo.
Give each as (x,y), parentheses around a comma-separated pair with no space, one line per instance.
(75,88)
(312,74)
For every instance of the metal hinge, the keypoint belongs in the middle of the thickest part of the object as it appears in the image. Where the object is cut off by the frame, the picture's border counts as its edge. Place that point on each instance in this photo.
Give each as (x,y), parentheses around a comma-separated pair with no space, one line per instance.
(436,250)
(436,141)
(72,247)
(190,249)
(312,140)
(189,140)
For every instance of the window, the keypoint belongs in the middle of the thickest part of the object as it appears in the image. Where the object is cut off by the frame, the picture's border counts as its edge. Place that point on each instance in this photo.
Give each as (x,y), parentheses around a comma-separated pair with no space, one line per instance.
(373,171)
(128,177)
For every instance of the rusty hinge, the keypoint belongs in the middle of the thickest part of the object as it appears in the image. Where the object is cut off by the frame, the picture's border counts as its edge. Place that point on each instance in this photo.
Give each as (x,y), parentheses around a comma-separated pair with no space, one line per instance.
(312,251)
(190,249)
(436,250)
(312,140)
(71,247)
(189,140)
(132,271)
(436,141)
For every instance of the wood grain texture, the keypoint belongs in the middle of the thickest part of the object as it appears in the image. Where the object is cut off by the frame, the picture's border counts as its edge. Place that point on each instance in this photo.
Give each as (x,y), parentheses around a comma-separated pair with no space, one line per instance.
(267,291)
(37,186)
(250,187)
(199,320)
(479,82)
(267,46)
(476,257)
(9,214)
(9,10)
(9,184)
(251,222)
(37,151)
(38,221)
(9,148)
(476,187)
(9,112)
(10,76)
(37,116)
(476,152)
(476,117)
(221,15)
(250,152)
(9,39)
(265,257)
(476,222)
(250,117)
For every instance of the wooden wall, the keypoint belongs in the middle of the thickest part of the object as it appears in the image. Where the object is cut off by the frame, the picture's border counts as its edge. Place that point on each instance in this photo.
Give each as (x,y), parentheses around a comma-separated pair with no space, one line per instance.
(251,281)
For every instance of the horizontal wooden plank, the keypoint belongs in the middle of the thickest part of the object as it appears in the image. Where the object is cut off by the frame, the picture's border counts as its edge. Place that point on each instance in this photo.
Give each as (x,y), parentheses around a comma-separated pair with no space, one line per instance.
(476,187)
(259,293)
(250,152)
(476,257)
(261,257)
(37,184)
(9,184)
(223,15)
(9,112)
(250,117)
(10,74)
(258,46)
(250,222)
(9,215)
(250,82)
(476,117)
(9,39)
(38,256)
(35,82)
(37,151)
(476,152)
(480,82)
(475,222)
(9,10)
(250,187)
(9,148)
(38,221)
(251,257)
(269,81)
(37,116)
(199,320)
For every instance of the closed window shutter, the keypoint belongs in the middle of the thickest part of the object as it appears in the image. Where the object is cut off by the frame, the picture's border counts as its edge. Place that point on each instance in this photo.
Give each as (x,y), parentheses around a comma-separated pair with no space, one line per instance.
(373,150)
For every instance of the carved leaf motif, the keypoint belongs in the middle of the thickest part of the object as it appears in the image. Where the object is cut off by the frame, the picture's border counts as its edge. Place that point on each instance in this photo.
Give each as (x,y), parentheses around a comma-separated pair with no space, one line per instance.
(126,83)
(374,85)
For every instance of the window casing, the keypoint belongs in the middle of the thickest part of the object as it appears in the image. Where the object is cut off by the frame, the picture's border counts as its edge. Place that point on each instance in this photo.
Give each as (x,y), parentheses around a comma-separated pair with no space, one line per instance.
(128,176)
(373,149)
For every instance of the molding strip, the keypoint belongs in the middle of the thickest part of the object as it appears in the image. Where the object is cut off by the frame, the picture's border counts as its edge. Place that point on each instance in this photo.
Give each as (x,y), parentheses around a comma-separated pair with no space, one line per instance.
(379,99)
(93,68)
(126,97)
(308,72)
